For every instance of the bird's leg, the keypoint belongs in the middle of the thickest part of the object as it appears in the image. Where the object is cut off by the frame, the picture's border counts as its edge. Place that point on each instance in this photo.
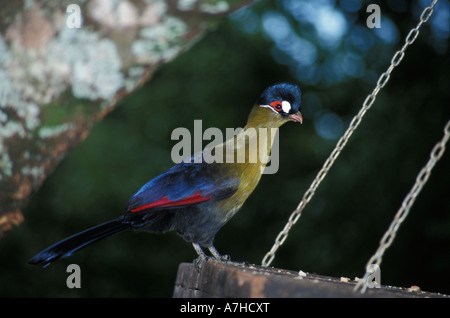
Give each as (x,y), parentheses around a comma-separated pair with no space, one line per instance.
(201,256)
(199,251)
(216,254)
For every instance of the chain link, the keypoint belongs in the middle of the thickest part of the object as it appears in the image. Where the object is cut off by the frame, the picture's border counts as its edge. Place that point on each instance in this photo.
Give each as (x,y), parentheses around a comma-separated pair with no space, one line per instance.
(370,99)
(388,237)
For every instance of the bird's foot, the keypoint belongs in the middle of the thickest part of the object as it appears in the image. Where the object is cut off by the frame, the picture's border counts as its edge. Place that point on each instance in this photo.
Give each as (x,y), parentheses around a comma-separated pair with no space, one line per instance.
(224,258)
(202,257)
(200,261)
(218,256)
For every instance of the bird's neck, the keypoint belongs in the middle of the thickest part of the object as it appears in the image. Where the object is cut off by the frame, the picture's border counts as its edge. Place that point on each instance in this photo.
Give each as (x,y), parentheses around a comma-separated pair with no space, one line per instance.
(251,147)
(255,143)
(262,125)
(263,118)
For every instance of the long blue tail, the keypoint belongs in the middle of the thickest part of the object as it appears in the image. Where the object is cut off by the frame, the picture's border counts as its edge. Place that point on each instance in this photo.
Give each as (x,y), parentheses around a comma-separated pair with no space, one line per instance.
(76,242)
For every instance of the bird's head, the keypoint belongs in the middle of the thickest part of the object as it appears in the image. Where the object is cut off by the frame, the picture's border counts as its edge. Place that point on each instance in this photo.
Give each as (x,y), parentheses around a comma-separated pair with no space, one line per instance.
(278,104)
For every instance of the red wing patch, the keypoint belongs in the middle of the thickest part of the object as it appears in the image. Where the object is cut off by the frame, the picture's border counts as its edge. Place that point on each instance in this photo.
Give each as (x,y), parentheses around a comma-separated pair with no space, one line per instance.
(164,202)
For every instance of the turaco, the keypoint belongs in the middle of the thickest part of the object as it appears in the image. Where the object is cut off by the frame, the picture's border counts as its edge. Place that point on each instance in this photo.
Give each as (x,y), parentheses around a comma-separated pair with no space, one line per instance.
(196,198)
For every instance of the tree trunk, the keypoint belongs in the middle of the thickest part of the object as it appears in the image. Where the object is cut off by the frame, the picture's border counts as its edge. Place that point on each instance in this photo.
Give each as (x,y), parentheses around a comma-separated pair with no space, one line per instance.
(65,64)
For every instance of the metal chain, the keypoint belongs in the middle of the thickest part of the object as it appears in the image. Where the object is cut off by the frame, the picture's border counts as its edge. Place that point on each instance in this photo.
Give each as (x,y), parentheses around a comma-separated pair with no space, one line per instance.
(388,237)
(370,99)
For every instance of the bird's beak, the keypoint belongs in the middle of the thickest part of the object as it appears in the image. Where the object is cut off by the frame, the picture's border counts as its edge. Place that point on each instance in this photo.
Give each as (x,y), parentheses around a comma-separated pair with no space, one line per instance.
(297,117)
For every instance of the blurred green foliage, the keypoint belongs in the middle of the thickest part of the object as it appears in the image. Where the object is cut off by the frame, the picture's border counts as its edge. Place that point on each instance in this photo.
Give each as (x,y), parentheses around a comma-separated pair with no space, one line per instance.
(217,81)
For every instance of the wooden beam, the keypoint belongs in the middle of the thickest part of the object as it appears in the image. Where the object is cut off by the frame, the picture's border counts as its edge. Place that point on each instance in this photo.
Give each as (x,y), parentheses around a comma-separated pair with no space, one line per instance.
(212,278)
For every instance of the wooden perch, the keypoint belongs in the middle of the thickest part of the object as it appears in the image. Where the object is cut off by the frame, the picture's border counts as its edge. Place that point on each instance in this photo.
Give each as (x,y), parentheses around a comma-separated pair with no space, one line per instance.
(237,280)
(65,64)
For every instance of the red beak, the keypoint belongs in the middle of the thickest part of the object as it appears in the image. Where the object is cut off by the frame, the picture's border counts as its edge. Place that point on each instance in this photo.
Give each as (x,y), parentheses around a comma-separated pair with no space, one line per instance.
(297,117)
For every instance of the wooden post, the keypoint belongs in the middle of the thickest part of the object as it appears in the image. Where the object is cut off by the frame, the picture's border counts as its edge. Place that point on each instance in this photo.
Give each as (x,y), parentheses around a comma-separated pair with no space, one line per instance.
(212,278)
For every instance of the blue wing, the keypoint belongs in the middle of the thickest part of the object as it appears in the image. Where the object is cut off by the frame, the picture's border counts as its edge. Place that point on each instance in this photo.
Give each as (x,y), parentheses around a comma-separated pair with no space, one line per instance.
(184,184)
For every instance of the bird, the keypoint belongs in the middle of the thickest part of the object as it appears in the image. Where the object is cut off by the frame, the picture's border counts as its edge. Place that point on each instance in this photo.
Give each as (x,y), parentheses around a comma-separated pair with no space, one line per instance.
(196,197)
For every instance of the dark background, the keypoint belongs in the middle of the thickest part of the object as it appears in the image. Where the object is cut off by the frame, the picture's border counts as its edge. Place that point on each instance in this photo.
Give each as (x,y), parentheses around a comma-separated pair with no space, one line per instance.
(327,49)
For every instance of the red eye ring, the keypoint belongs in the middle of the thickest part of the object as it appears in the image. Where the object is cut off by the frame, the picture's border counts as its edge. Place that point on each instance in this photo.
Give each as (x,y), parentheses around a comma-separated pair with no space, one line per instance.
(276,105)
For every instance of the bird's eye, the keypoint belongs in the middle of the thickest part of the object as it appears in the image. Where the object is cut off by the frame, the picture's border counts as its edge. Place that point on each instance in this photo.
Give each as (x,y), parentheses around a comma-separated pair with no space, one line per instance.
(277,105)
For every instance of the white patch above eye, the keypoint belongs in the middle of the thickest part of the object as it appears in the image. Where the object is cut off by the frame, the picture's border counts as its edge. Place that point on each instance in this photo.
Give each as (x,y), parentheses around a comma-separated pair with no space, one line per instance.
(286,106)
